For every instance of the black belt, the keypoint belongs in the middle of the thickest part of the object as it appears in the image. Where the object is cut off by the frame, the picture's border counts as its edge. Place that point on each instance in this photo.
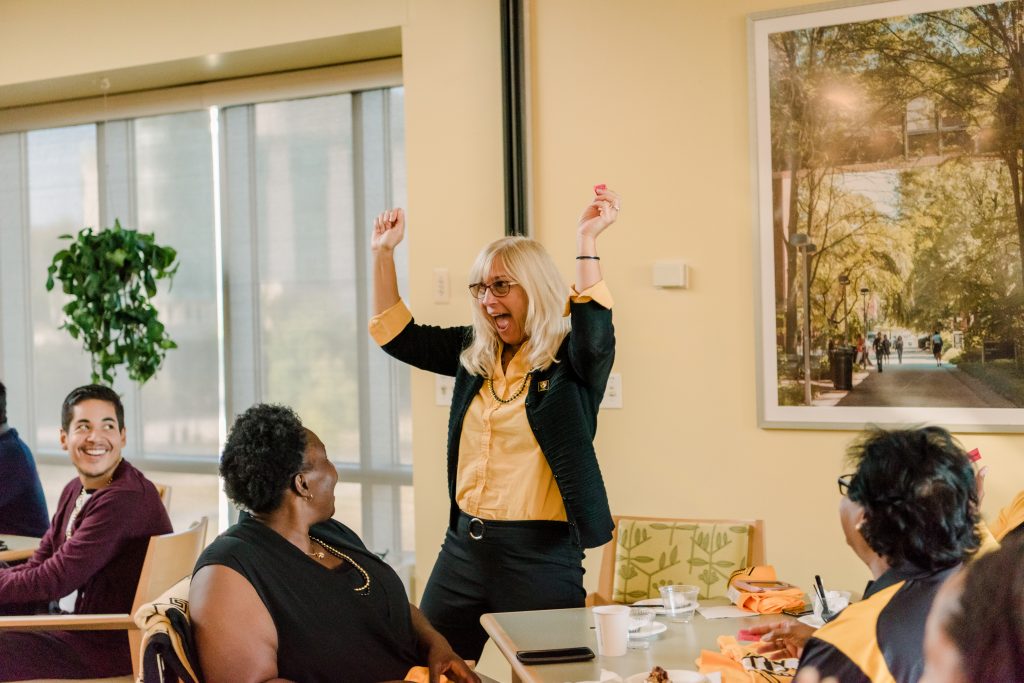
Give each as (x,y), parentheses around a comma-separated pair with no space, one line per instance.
(529,530)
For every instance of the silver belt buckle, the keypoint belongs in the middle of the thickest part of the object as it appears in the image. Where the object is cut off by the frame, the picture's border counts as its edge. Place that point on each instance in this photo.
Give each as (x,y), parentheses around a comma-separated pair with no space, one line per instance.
(474,536)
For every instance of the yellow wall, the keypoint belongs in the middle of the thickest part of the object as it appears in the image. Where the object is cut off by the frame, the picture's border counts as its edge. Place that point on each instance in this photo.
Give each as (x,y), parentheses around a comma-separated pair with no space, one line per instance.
(652,98)
(647,96)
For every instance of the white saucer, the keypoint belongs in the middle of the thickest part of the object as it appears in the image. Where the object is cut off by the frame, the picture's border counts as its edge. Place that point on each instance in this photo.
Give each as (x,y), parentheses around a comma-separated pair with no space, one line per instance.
(650,601)
(652,629)
(811,620)
(674,675)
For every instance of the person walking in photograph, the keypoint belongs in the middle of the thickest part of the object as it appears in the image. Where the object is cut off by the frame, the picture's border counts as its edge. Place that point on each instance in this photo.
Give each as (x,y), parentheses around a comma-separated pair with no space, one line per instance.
(899,349)
(879,351)
(862,352)
(937,347)
(886,347)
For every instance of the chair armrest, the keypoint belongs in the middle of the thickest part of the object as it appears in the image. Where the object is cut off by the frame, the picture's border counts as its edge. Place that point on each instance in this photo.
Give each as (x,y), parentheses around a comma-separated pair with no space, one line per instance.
(595,599)
(68,622)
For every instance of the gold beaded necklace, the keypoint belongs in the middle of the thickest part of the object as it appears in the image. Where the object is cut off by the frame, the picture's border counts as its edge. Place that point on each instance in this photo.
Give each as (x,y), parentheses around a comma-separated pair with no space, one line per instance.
(522,387)
(318,554)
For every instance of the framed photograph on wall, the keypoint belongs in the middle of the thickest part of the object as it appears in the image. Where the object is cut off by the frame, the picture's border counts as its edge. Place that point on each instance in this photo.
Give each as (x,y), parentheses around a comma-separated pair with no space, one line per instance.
(888,153)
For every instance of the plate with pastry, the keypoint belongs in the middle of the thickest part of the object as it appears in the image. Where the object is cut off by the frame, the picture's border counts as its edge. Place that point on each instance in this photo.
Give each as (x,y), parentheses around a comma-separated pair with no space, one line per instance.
(659,675)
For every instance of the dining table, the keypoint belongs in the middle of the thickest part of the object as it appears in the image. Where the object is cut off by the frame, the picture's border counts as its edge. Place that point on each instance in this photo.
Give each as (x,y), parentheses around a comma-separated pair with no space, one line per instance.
(677,647)
(17,547)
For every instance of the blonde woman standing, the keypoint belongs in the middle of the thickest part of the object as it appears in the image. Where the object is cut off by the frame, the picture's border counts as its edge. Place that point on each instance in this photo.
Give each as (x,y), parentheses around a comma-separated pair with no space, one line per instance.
(526,491)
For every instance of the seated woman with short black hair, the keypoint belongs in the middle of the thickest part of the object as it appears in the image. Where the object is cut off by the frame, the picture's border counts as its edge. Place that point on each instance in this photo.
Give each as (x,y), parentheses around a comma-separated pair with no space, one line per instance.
(910,513)
(289,593)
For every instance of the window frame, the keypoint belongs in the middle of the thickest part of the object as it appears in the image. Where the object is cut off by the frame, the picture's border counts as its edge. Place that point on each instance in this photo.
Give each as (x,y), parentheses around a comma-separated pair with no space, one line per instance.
(113,117)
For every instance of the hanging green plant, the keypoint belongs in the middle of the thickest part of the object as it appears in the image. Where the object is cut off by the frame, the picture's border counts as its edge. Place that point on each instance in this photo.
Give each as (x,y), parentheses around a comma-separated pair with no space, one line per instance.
(111,277)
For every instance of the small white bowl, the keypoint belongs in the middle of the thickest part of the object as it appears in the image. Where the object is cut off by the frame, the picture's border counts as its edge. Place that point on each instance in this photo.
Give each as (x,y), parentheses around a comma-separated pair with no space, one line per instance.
(640,617)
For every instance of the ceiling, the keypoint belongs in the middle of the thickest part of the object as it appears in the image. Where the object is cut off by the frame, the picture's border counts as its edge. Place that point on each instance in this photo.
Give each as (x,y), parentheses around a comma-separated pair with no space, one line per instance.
(355,47)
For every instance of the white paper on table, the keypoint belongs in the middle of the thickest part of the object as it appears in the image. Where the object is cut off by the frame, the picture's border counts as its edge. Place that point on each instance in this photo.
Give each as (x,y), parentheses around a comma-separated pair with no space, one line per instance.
(724,612)
(606,677)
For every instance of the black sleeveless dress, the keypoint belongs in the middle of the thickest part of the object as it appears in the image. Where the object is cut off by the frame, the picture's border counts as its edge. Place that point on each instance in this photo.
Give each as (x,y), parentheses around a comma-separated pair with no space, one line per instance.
(326,631)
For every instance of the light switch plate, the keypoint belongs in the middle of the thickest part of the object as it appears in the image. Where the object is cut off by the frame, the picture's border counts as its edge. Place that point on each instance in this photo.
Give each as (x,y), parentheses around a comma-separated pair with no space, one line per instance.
(442,286)
(613,392)
(443,388)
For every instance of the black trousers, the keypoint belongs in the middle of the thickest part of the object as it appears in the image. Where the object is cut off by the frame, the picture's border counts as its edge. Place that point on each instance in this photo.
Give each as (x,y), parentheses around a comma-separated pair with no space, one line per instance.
(487,566)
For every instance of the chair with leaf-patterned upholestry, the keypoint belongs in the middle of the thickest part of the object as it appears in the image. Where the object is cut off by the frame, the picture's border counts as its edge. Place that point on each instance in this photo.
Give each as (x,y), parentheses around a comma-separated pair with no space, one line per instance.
(648,552)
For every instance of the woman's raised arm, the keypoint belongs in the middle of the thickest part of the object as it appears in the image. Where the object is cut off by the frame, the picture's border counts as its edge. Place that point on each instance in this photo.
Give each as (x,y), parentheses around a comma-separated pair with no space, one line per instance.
(388,231)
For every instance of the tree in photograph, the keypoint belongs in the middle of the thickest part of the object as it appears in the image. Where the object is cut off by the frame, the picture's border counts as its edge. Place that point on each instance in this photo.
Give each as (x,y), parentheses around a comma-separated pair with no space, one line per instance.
(971,61)
(966,256)
(824,117)
(858,240)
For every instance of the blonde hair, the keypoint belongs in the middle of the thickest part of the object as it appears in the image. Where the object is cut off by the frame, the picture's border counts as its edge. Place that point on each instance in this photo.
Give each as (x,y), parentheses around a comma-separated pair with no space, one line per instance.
(529,265)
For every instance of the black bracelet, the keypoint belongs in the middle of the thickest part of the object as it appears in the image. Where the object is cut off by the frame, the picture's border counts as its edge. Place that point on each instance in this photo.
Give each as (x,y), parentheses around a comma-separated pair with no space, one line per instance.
(593,258)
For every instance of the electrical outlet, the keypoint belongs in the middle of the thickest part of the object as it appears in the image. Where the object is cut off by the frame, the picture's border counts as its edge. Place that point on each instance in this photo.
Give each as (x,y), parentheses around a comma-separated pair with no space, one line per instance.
(613,392)
(443,388)
(442,286)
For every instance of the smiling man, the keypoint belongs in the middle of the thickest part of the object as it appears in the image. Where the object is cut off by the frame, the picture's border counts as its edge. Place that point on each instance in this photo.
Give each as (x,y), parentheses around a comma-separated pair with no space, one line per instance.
(90,559)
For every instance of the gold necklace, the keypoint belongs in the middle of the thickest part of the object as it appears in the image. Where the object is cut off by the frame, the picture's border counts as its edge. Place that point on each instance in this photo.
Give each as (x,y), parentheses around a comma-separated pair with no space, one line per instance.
(522,387)
(80,503)
(365,588)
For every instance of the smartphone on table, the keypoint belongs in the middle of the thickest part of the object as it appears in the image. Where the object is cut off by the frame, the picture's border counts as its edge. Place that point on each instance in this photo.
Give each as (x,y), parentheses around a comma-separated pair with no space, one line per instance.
(761,586)
(555,655)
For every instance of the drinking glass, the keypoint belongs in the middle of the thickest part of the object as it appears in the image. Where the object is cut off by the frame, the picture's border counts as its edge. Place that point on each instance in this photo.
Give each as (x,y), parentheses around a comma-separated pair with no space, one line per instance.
(680,602)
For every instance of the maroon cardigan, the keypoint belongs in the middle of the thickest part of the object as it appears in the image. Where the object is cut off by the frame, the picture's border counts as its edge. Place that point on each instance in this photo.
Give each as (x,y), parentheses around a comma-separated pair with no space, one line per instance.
(102,561)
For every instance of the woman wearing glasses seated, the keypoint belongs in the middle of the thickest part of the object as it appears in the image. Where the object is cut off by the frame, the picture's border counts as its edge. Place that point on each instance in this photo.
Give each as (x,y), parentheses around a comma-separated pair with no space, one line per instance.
(971,637)
(910,513)
(525,488)
(290,594)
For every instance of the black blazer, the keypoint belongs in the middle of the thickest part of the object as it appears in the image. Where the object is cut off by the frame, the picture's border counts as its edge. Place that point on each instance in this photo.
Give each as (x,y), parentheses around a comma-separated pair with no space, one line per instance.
(561,406)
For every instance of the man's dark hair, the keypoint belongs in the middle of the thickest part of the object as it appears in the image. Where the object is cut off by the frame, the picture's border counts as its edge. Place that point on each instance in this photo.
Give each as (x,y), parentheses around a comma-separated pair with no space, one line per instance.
(90,392)
(988,625)
(264,452)
(919,496)
(3,403)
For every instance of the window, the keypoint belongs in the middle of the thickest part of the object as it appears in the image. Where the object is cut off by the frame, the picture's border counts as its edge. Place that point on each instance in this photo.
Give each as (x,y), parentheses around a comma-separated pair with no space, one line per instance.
(63,196)
(288,188)
(174,198)
(313,174)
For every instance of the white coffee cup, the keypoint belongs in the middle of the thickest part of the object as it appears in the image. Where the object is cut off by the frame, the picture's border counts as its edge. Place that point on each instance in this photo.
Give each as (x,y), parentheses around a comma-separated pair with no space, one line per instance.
(612,623)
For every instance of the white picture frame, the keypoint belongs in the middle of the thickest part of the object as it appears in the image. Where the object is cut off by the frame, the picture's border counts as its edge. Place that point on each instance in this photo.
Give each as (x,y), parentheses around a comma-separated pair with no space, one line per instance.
(777,274)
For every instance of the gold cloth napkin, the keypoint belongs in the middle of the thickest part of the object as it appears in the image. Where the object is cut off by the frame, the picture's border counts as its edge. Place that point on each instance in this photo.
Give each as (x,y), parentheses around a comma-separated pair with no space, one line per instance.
(766,602)
(745,664)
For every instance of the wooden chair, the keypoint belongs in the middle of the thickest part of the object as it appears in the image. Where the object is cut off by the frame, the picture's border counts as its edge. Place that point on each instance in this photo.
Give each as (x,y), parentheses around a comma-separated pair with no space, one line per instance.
(168,650)
(648,552)
(165,495)
(169,559)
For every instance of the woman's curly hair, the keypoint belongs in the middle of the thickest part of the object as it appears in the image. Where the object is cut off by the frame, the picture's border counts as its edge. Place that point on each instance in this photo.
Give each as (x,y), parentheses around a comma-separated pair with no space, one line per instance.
(919,496)
(264,452)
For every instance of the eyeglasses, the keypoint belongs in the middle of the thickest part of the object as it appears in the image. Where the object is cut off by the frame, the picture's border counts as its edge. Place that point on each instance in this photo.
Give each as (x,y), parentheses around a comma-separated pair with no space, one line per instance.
(844,482)
(498,288)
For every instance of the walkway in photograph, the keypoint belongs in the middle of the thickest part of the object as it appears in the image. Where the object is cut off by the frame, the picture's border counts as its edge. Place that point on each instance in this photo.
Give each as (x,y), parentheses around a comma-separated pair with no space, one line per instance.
(919,382)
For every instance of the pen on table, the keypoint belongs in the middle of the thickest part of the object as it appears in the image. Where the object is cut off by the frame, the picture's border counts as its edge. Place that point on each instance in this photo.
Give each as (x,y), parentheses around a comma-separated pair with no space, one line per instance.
(821,592)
